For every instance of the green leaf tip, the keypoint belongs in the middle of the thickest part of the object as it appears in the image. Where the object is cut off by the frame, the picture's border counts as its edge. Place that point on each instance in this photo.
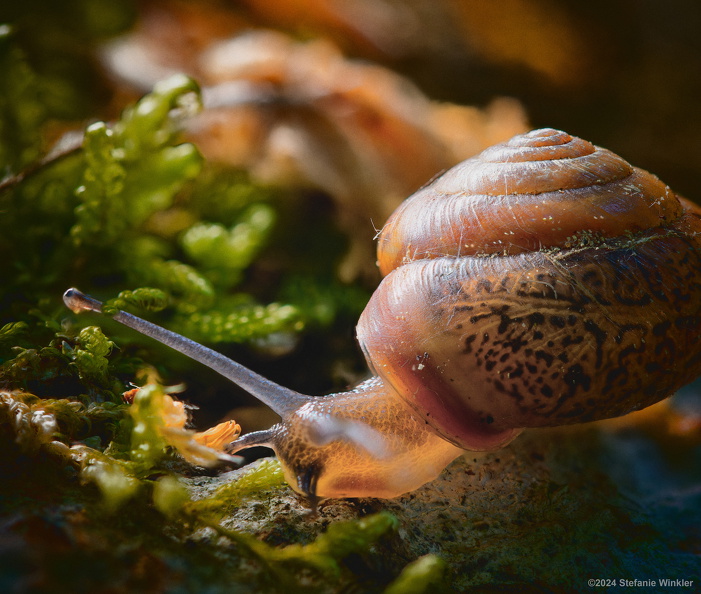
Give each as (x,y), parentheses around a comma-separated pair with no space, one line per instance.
(146,298)
(417,577)
(176,86)
(148,445)
(169,495)
(116,485)
(12,329)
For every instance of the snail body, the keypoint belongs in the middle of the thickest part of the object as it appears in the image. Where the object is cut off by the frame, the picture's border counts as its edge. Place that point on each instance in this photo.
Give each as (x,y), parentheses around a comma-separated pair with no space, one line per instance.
(543,282)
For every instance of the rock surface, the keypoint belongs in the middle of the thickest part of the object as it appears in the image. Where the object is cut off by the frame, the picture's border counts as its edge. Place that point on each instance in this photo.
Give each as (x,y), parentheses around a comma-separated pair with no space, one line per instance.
(551,511)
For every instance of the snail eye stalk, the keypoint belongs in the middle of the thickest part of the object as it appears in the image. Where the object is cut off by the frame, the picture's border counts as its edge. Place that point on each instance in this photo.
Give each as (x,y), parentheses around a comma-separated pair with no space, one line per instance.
(282,400)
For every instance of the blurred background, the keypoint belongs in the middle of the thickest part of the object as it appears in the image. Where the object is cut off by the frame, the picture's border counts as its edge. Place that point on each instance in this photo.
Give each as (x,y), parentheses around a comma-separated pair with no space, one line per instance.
(344,108)
(625,75)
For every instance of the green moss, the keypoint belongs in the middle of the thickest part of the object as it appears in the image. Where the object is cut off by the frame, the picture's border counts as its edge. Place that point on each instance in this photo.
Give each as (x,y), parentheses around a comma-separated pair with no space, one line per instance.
(116,485)
(91,355)
(148,444)
(59,41)
(266,475)
(240,322)
(133,212)
(22,111)
(134,208)
(145,298)
(10,331)
(132,170)
(338,542)
(224,253)
(170,496)
(417,577)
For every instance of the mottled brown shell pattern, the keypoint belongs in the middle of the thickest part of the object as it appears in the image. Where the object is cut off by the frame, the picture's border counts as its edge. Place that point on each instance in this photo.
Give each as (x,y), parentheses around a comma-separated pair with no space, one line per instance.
(593,311)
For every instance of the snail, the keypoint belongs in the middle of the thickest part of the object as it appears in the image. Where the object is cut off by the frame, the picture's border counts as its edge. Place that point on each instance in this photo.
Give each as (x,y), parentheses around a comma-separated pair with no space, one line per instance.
(544,282)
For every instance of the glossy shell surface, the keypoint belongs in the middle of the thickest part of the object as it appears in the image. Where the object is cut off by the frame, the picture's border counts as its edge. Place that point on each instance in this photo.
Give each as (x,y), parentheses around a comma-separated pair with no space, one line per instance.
(544,282)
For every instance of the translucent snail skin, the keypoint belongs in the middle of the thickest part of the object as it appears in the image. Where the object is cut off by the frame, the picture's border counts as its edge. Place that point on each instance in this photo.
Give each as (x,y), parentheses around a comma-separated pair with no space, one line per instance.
(543,282)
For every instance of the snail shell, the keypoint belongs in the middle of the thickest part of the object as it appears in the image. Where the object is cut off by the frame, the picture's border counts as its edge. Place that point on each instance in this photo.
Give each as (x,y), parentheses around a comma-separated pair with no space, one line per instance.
(544,282)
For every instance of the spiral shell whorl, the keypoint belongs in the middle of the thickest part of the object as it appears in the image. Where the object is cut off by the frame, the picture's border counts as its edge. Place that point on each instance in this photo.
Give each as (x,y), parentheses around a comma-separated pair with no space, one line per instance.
(538,145)
(535,191)
(538,162)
